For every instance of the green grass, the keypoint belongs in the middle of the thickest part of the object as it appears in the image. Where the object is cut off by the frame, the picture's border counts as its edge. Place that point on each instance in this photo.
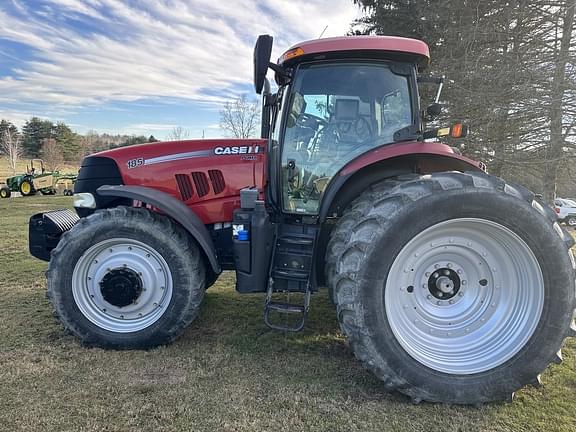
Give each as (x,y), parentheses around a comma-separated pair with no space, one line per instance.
(228,372)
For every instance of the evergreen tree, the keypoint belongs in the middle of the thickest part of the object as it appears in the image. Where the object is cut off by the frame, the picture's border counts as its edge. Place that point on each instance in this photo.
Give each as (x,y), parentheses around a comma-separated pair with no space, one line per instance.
(34,132)
(508,77)
(68,141)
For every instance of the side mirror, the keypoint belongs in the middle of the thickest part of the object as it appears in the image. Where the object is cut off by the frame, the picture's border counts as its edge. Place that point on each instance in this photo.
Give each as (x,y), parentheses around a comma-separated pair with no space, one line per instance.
(262,53)
(434,110)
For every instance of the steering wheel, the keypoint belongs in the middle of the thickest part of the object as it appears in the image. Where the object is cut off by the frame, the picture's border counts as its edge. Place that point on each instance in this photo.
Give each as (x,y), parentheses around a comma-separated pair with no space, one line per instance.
(310,121)
(363,129)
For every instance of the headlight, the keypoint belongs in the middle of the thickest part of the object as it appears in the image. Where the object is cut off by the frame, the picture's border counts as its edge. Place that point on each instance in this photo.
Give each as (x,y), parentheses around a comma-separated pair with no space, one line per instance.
(84,200)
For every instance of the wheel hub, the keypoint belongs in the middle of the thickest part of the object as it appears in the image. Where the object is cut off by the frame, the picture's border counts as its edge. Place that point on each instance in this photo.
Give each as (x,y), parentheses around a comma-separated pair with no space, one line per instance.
(464,295)
(444,284)
(121,287)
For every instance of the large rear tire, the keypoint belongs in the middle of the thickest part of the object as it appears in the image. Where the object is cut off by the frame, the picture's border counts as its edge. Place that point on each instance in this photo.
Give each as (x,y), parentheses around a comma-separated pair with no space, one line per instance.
(27,188)
(452,287)
(126,278)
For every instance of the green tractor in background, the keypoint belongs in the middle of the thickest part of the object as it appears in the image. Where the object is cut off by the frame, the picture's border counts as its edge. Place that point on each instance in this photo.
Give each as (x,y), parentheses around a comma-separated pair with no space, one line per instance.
(38,180)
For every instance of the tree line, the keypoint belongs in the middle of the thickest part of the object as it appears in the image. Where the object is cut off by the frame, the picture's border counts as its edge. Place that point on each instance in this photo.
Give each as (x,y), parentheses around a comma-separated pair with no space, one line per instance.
(57,143)
(511,76)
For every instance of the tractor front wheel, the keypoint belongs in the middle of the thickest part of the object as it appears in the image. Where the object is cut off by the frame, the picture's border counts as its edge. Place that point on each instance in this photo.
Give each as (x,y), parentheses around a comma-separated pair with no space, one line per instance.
(453,287)
(5,192)
(126,278)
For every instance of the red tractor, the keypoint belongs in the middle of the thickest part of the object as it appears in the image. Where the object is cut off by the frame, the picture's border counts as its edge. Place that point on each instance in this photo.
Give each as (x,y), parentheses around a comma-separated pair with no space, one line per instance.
(451,285)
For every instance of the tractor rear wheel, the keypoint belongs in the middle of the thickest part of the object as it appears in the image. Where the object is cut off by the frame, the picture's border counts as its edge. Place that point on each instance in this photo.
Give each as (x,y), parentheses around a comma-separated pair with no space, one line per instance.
(27,188)
(452,287)
(5,192)
(126,278)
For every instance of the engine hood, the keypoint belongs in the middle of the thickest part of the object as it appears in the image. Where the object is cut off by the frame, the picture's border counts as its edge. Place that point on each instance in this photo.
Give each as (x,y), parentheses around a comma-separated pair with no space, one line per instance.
(133,157)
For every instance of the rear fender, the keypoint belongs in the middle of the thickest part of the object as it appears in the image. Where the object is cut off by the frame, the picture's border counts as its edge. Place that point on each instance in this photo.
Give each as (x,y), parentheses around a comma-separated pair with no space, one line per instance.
(172,207)
(390,161)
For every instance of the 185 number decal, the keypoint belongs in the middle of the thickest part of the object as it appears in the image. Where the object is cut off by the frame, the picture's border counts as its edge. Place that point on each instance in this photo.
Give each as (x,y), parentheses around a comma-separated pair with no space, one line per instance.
(133,163)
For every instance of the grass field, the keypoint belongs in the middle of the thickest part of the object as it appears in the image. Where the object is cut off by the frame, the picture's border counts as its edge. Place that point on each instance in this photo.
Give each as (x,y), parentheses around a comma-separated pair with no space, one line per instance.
(228,372)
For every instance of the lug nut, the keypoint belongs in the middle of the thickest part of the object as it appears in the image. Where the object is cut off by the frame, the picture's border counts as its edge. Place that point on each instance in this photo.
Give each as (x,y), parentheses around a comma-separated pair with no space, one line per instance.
(451,301)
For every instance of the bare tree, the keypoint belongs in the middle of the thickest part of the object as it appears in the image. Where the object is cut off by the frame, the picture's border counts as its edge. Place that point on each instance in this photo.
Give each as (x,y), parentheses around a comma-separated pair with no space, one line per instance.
(87,143)
(52,154)
(11,144)
(240,118)
(178,133)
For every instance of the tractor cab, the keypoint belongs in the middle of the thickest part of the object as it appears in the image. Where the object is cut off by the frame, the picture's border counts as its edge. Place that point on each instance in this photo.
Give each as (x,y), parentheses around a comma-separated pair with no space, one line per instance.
(338,98)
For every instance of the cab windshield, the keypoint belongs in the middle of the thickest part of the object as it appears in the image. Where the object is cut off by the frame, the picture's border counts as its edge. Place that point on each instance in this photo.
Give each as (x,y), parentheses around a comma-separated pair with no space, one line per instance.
(335,113)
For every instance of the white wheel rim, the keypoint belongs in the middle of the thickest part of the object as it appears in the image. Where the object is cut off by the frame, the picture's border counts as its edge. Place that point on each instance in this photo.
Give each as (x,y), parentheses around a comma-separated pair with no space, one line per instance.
(118,254)
(492,298)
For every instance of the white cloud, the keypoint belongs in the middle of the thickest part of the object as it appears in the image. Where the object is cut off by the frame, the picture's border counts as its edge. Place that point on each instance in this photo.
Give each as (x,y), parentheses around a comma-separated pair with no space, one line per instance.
(17,117)
(152,127)
(197,49)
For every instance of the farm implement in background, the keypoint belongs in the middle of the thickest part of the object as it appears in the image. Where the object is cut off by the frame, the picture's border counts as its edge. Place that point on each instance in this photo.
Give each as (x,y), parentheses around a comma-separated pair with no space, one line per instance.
(38,180)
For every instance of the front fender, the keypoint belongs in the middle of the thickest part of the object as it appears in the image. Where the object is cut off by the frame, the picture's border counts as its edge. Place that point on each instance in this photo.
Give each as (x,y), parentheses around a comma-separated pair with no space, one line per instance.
(172,207)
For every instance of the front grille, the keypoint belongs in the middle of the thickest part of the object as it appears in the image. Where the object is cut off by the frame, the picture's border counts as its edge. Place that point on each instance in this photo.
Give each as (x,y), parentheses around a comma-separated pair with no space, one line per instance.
(217,179)
(184,186)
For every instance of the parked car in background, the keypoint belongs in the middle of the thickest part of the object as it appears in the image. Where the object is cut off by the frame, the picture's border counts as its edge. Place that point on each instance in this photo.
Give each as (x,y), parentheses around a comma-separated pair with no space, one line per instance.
(566,210)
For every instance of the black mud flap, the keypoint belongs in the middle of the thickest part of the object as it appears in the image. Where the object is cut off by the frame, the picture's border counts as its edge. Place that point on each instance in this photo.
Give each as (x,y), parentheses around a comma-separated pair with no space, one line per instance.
(45,230)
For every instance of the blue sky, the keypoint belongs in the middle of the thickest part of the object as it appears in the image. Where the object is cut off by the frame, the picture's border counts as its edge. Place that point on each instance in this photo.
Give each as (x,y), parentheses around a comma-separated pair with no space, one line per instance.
(144,66)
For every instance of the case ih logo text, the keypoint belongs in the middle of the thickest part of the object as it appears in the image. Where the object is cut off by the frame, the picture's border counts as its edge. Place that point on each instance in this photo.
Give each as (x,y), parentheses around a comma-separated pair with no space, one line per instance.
(236,150)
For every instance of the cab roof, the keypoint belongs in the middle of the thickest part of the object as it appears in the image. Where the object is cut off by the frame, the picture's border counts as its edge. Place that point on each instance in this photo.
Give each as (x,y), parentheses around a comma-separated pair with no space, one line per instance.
(348,46)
